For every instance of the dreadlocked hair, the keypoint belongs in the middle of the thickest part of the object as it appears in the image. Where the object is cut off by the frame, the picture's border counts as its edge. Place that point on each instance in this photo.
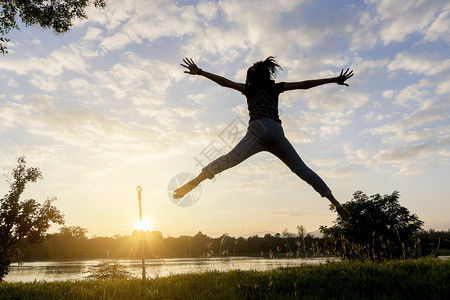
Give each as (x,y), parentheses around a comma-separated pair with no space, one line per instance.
(263,71)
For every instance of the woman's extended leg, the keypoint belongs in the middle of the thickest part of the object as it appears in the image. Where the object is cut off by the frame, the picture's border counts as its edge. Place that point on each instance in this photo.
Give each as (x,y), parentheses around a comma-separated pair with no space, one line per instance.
(283,149)
(187,187)
(340,210)
(243,150)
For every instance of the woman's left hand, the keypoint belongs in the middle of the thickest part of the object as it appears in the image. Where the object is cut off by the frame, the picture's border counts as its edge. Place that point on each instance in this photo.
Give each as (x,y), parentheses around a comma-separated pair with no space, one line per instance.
(344,76)
(191,66)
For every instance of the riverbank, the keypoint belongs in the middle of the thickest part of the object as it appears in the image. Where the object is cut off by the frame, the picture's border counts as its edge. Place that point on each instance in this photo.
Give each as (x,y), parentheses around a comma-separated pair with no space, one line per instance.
(62,270)
(412,279)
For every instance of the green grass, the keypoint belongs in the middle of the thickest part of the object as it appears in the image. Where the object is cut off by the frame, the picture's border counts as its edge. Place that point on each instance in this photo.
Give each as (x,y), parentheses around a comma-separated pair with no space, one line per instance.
(411,279)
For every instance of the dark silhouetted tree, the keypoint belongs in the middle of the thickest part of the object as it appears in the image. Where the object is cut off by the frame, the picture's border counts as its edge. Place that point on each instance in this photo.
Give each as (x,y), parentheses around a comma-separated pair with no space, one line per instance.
(379,228)
(56,14)
(23,222)
(69,242)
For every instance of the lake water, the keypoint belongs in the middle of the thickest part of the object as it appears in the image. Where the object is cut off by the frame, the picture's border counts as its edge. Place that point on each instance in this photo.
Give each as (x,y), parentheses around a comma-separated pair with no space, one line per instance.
(79,269)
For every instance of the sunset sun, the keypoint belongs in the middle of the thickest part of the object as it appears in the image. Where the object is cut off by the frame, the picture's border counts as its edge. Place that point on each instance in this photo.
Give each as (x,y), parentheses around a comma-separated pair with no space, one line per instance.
(145,225)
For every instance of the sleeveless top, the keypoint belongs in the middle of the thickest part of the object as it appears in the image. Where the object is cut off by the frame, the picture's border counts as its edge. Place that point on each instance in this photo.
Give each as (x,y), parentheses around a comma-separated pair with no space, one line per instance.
(262,100)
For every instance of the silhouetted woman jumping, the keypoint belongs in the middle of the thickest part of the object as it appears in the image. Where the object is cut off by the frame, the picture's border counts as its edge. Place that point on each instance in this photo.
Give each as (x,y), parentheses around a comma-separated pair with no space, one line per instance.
(264,131)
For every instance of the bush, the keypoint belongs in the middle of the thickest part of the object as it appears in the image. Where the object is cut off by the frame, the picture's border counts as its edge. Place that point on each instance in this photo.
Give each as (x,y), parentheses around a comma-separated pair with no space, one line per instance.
(108,269)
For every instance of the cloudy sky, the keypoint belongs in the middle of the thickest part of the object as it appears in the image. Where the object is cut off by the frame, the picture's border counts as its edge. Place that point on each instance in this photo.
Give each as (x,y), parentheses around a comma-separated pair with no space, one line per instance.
(106,107)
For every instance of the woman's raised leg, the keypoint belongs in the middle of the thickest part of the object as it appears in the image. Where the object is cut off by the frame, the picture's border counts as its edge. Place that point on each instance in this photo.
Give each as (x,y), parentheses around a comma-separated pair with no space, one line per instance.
(246,147)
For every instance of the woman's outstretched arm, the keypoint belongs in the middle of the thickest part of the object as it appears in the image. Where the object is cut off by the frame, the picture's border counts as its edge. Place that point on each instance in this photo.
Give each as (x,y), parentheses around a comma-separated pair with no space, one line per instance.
(307,84)
(194,70)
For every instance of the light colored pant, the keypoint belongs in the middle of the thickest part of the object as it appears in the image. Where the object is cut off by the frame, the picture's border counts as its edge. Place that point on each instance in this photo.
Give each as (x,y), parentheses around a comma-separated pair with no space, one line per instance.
(268,135)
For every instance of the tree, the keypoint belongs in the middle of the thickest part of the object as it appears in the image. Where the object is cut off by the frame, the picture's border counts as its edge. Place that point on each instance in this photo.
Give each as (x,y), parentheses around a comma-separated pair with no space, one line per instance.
(23,222)
(69,242)
(56,14)
(379,228)
(74,232)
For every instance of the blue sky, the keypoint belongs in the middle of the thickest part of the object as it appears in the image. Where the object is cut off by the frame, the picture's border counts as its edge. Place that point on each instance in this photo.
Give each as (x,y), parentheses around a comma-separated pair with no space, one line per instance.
(106,107)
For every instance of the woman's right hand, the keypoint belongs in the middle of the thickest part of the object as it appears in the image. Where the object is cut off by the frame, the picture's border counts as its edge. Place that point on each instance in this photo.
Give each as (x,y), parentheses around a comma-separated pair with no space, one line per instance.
(191,66)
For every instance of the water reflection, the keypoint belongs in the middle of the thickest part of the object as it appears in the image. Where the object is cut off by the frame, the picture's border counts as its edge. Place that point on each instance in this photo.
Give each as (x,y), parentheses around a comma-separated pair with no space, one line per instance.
(78,269)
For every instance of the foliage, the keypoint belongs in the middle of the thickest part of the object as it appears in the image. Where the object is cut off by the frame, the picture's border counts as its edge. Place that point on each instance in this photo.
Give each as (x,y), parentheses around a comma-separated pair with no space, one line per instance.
(108,269)
(64,245)
(23,222)
(68,243)
(409,279)
(56,14)
(379,228)
(433,242)
(74,232)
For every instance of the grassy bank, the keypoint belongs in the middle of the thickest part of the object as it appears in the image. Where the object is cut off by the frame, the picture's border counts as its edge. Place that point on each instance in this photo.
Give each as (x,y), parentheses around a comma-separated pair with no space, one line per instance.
(411,279)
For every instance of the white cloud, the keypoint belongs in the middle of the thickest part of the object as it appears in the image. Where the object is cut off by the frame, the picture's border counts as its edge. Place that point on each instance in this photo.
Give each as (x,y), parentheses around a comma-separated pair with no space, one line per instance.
(64,58)
(93,33)
(341,101)
(8,116)
(12,82)
(416,93)
(337,172)
(391,21)
(388,94)
(415,136)
(78,128)
(363,34)
(78,84)
(444,153)
(18,97)
(400,19)
(269,168)
(198,97)
(426,114)
(117,41)
(403,152)
(241,110)
(35,42)
(26,66)
(443,87)
(366,67)
(253,27)
(418,64)
(440,28)
(216,42)
(327,131)
(329,161)
(115,13)
(207,9)
(44,83)
(151,20)
(408,168)
(138,77)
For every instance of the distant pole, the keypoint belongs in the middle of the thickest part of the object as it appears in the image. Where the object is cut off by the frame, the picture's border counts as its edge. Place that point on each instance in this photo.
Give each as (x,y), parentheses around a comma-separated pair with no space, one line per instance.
(139,190)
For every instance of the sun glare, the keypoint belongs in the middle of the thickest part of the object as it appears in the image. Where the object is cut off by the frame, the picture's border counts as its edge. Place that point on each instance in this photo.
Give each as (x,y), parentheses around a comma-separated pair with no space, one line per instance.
(144,225)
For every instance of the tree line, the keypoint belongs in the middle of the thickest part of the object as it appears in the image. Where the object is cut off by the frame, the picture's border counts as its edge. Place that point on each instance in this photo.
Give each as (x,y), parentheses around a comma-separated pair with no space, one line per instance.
(72,243)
